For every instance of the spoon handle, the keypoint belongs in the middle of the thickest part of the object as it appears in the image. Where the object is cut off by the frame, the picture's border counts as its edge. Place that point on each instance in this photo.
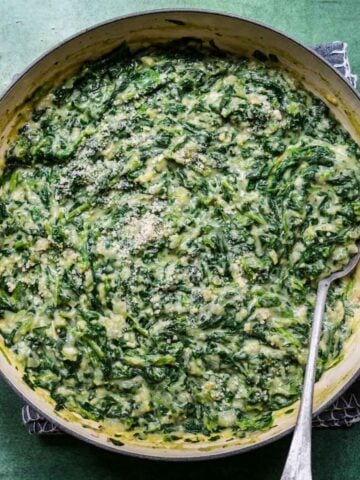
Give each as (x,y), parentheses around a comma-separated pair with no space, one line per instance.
(298,463)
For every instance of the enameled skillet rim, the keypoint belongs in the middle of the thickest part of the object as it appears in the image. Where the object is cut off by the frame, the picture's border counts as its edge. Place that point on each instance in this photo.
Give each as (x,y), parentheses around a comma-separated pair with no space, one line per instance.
(7,91)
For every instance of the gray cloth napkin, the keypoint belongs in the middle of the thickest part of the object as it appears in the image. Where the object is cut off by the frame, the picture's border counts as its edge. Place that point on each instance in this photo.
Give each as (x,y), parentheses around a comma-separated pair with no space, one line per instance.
(346,409)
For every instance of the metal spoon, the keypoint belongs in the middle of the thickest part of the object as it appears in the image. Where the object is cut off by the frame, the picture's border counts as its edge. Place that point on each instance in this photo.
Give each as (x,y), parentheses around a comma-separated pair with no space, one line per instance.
(298,463)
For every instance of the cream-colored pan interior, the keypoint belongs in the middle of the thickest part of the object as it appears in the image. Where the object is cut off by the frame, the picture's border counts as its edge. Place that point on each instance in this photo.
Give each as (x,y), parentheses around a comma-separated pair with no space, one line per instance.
(238,36)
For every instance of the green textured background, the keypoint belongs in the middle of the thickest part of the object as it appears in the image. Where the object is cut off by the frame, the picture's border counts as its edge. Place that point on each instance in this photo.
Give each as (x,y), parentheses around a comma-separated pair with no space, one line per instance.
(27,29)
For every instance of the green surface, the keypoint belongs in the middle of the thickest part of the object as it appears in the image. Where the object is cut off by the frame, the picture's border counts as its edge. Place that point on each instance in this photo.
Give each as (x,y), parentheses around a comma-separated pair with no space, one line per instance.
(27,28)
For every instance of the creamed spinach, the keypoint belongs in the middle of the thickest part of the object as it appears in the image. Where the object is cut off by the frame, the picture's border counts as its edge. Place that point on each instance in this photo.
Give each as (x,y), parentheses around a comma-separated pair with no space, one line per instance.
(165,217)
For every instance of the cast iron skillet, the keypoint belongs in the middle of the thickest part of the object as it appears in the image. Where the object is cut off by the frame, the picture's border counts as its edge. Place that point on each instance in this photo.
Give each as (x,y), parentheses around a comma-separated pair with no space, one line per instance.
(236,35)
